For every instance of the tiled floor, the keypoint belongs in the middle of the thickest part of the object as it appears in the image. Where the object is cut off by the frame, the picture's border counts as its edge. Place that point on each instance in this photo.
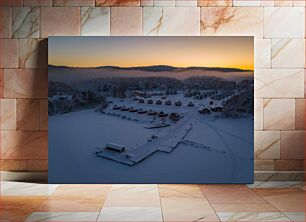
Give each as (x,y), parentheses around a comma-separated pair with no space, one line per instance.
(261,201)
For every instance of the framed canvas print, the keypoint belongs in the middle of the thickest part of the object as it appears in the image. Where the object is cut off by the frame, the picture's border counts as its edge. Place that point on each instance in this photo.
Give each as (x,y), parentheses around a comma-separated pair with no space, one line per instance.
(151,109)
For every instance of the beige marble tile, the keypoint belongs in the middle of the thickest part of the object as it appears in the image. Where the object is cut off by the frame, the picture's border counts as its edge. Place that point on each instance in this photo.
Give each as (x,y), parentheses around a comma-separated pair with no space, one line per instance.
(26,189)
(25,22)
(33,53)
(71,204)
(247,3)
(24,145)
(253,216)
(258,114)
(5,22)
(1,83)
(289,165)
(146,2)
(123,3)
(299,3)
(25,83)
(63,216)
(91,191)
(267,145)
(278,19)
(283,50)
(37,2)
(230,194)
(263,165)
(183,191)
(285,199)
(300,114)
(278,191)
(296,216)
(276,184)
(279,114)
(280,3)
(43,114)
(5,3)
(186,3)
(28,114)
(279,83)
(279,176)
(262,53)
(8,53)
(13,165)
(130,214)
(37,165)
(305,82)
(95,21)
(232,21)
(187,209)
(18,208)
(292,145)
(267,3)
(220,3)
(51,17)
(163,3)
(171,21)
(126,21)
(133,196)
(263,207)
(73,2)
(8,114)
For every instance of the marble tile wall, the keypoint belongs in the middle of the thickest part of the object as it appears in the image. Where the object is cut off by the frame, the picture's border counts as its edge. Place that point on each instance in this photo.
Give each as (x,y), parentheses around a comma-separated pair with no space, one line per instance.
(277,25)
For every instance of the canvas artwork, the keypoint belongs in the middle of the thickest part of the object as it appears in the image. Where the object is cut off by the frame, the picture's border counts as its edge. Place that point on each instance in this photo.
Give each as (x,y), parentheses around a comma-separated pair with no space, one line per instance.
(151,109)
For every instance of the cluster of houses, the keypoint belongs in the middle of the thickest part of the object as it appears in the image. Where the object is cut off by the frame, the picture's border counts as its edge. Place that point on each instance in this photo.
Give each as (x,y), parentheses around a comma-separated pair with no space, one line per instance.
(209,110)
(228,105)
(160,101)
(172,116)
(144,94)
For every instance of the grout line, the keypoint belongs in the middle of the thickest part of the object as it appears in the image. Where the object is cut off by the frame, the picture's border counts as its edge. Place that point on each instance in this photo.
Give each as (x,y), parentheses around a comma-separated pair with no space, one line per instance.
(160,203)
(209,202)
(104,201)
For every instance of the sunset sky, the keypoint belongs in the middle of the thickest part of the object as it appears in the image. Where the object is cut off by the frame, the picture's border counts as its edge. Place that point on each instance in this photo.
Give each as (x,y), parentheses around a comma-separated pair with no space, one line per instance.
(231,52)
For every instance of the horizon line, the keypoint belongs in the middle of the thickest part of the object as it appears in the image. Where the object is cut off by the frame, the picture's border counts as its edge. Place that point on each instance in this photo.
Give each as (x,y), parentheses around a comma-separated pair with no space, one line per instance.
(152,65)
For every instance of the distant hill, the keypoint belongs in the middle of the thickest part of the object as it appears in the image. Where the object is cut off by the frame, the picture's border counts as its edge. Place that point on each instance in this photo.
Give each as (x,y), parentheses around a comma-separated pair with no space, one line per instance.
(64,73)
(157,68)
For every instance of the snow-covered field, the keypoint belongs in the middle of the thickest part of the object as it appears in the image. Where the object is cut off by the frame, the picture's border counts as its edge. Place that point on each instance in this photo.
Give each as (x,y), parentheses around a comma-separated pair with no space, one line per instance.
(216,150)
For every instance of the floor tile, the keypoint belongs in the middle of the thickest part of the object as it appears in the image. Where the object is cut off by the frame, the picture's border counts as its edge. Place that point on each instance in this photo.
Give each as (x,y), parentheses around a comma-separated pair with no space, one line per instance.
(274,216)
(278,191)
(296,216)
(285,200)
(71,204)
(174,190)
(230,194)
(9,188)
(63,216)
(18,208)
(187,209)
(130,214)
(96,191)
(276,184)
(263,207)
(133,196)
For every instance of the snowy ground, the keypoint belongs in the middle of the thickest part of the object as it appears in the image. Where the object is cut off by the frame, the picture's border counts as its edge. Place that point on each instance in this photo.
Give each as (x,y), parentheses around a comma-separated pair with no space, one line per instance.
(216,150)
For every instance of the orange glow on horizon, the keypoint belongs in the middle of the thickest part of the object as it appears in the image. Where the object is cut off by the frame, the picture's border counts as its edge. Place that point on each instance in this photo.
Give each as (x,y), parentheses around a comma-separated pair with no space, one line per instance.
(226,52)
